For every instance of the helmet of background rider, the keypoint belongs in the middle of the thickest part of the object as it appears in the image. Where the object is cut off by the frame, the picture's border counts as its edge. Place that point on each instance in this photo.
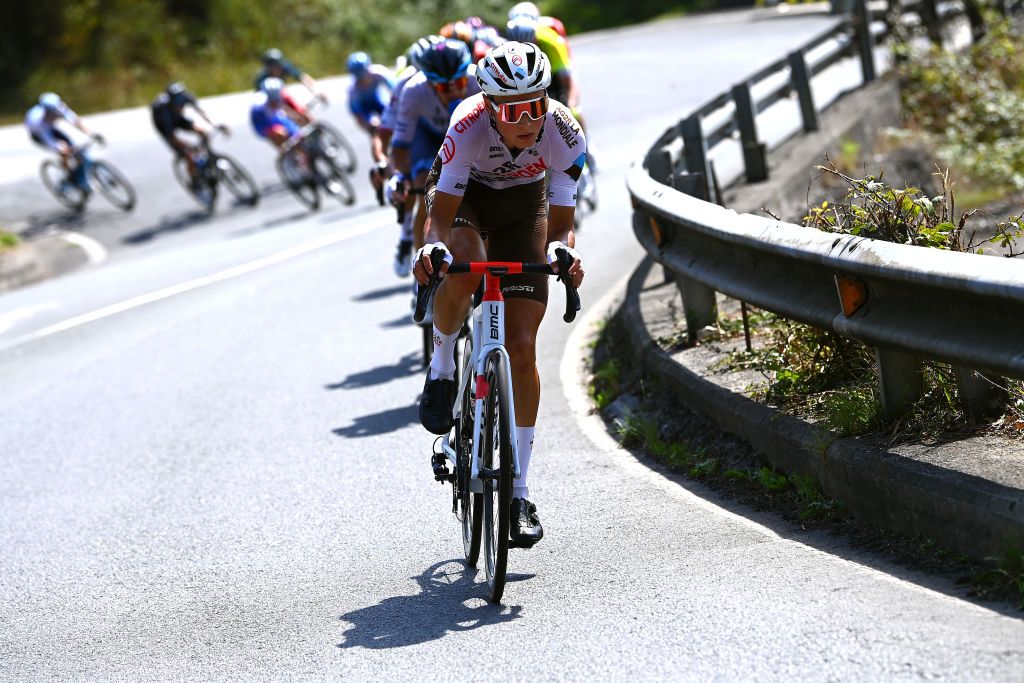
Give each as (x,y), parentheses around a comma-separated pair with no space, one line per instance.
(556,24)
(446,61)
(458,30)
(358,64)
(178,94)
(415,51)
(513,69)
(524,9)
(475,23)
(272,57)
(50,102)
(522,29)
(273,88)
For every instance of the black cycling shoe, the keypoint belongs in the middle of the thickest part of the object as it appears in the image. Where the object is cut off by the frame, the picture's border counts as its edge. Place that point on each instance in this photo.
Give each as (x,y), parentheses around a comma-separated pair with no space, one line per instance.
(436,404)
(525,528)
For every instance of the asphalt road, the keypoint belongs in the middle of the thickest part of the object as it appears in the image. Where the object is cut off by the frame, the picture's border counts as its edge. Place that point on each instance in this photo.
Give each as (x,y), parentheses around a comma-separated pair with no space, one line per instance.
(211,467)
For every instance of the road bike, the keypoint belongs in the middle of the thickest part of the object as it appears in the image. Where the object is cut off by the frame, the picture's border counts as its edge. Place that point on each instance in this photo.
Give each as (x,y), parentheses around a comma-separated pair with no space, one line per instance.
(586,191)
(74,186)
(310,161)
(481,448)
(213,169)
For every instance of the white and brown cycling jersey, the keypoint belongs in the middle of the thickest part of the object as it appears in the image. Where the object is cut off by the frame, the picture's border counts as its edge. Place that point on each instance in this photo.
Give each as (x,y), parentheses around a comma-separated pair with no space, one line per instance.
(473,150)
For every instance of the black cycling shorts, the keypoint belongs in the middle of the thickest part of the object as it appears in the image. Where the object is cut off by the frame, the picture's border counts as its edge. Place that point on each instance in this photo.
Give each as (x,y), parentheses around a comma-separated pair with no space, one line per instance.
(513,223)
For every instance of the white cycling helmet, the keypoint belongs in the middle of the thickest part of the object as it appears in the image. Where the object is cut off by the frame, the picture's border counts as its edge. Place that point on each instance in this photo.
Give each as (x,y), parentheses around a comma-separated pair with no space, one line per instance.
(524,9)
(513,69)
(273,88)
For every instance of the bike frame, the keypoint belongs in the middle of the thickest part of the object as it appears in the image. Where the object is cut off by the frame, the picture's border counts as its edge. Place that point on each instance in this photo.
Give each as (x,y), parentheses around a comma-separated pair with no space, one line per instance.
(489,318)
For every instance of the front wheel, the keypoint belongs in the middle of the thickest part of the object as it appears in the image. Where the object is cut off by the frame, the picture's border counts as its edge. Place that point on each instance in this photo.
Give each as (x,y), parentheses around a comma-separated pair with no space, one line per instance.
(334,181)
(198,187)
(497,475)
(112,185)
(336,146)
(237,180)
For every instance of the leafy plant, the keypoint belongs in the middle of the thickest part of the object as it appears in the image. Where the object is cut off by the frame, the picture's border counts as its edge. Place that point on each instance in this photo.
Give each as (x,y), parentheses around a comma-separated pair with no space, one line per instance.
(771,480)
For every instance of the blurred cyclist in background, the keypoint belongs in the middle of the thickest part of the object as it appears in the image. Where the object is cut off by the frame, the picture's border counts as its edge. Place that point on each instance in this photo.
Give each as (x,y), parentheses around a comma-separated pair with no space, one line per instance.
(370,91)
(484,37)
(381,148)
(276,66)
(275,115)
(41,121)
(532,12)
(168,113)
(446,76)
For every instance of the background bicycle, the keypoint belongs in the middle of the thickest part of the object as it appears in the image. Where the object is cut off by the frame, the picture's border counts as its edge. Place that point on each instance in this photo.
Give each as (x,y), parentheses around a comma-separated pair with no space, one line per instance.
(214,169)
(482,448)
(318,158)
(74,186)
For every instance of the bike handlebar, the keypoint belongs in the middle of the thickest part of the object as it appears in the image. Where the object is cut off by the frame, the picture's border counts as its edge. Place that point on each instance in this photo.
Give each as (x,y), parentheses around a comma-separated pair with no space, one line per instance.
(499,268)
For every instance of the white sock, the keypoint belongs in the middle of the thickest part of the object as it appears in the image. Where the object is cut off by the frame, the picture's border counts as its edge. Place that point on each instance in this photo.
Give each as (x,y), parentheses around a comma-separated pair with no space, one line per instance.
(407,227)
(524,436)
(442,363)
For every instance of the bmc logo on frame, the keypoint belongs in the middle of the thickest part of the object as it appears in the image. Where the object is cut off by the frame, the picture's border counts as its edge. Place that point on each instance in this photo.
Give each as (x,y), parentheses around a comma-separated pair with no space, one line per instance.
(494,321)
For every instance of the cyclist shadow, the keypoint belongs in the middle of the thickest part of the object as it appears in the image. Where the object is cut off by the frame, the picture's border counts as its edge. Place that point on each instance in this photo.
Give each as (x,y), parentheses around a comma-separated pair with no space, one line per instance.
(450,600)
(177,223)
(383,422)
(409,364)
(376,294)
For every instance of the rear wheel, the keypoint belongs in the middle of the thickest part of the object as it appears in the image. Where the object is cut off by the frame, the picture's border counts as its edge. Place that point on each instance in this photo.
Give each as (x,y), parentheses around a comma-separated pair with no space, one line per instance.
(334,181)
(470,511)
(60,186)
(112,185)
(237,180)
(200,189)
(497,485)
(298,179)
(336,146)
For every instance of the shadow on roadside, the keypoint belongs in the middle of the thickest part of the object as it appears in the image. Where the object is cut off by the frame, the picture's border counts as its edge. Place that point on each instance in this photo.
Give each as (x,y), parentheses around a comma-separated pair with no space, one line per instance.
(380,423)
(167,225)
(409,364)
(450,600)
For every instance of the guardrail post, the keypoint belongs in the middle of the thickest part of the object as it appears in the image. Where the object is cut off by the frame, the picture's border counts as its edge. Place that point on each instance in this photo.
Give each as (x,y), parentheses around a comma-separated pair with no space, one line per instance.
(660,165)
(900,381)
(755,159)
(700,306)
(865,42)
(980,394)
(695,147)
(800,79)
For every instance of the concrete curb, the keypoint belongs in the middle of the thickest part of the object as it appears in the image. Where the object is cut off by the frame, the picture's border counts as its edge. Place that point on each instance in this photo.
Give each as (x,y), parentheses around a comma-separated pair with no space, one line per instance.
(38,259)
(968,513)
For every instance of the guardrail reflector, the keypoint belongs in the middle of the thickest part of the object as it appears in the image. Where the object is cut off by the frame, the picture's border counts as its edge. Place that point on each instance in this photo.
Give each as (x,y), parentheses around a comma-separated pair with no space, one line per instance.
(656,229)
(852,294)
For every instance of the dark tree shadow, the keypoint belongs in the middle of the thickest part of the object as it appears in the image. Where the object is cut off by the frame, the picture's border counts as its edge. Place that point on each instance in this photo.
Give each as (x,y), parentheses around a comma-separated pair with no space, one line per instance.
(377,294)
(408,364)
(380,423)
(439,608)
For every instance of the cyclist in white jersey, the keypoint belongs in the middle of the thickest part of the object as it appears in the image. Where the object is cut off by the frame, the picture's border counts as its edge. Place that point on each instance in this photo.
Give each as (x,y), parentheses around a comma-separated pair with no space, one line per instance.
(42,119)
(487,199)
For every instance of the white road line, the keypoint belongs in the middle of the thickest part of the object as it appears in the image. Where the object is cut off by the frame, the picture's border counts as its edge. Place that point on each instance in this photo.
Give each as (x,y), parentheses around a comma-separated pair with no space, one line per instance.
(94,251)
(11,318)
(594,427)
(174,290)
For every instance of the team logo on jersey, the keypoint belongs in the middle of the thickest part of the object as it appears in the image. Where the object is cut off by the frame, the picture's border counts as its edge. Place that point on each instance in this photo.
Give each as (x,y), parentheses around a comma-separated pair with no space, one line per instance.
(462,125)
(447,149)
(567,128)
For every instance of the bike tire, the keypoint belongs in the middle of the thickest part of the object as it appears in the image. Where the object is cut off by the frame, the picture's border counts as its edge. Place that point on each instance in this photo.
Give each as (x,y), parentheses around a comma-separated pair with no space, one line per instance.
(113,185)
(302,186)
(337,147)
(238,181)
(53,175)
(205,195)
(336,183)
(471,511)
(497,495)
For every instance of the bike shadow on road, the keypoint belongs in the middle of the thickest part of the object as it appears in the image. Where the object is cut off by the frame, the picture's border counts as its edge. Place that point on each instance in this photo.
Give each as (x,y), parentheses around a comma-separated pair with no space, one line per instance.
(168,224)
(45,223)
(383,422)
(384,293)
(409,364)
(451,599)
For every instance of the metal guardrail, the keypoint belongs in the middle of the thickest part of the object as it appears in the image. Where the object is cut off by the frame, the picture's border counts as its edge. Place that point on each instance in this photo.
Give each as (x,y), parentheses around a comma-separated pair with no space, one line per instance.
(914,302)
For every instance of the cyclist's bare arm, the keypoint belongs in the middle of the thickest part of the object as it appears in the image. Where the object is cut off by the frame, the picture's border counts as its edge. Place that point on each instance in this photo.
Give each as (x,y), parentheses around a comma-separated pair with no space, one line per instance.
(560,222)
(439,229)
(313,86)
